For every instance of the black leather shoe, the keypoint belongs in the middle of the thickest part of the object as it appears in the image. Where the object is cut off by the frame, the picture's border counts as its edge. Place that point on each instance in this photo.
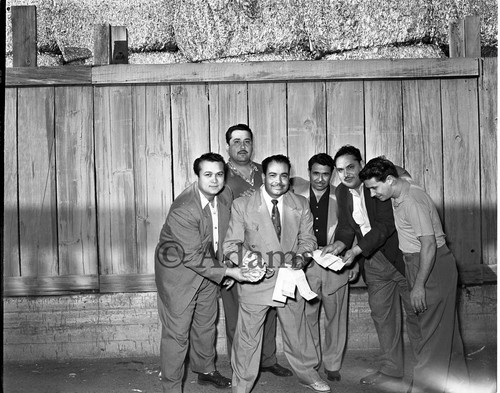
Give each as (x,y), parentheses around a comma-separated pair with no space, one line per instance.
(277,370)
(378,378)
(333,375)
(214,378)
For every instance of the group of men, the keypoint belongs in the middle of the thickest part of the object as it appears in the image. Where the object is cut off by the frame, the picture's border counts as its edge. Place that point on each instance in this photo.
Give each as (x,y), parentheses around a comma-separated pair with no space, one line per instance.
(240,223)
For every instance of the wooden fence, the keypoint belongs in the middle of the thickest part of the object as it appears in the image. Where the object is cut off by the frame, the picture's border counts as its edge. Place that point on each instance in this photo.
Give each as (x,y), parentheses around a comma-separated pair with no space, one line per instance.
(95,155)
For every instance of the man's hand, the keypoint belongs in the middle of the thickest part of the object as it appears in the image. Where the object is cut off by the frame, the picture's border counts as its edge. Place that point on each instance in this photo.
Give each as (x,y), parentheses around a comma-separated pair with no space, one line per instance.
(228,283)
(335,248)
(245,274)
(301,261)
(417,298)
(353,273)
(349,255)
(247,193)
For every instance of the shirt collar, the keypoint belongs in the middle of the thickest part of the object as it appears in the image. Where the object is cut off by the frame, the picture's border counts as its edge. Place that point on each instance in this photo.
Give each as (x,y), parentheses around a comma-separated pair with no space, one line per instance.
(205,201)
(268,198)
(405,189)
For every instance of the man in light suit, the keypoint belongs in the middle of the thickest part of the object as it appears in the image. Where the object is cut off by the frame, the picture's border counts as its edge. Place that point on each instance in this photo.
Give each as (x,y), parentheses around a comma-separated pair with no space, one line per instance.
(331,287)
(277,225)
(371,222)
(187,273)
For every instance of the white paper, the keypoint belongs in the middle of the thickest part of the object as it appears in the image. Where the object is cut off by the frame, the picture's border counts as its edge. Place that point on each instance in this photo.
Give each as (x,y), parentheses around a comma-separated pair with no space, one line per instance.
(328,261)
(286,282)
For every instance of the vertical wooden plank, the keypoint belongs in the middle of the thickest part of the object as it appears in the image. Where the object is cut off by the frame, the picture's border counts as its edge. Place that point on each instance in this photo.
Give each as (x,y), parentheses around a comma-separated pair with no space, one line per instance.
(228,106)
(119,45)
(345,116)
(488,100)
(423,144)
(102,44)
(115,180)
(462,214)
(11,267)
(456,33)
(24,36)
(267,118)
(472,34)
(77,235)
(384,120)
(37,194)
(152,168)
(306,124)
(190,131)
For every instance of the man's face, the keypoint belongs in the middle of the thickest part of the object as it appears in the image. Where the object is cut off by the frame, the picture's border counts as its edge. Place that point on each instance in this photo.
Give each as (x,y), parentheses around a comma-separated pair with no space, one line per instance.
(277,179)
(240,147)
(379,189)
(348,169)
(211,178)
(320,176)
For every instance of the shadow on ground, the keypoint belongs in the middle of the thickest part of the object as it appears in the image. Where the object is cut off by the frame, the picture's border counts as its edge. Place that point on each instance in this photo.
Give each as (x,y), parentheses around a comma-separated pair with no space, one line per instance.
(141,375)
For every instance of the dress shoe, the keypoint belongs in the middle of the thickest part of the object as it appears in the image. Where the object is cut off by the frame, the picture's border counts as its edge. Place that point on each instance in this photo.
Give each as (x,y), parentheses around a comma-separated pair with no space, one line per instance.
(318,386)
(277,370)
(378,378)
(333,375)
(214,378)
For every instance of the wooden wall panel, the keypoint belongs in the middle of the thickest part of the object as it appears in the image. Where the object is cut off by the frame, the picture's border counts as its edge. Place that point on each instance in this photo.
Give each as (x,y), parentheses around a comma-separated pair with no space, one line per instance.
(152,168)
(228,106)
(77,228)
(345,116)
(115,183)
(37,194)
(488,100)
(190,131)
(267,118)
(423,146)
(306,124)
(462,214)
(10,257)
(384,120)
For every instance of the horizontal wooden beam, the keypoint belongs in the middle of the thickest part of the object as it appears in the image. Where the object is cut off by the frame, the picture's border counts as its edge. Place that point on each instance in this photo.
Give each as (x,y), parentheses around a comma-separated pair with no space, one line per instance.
(477,274)
(57,285)
(127,283)
(43,76)
(285,71)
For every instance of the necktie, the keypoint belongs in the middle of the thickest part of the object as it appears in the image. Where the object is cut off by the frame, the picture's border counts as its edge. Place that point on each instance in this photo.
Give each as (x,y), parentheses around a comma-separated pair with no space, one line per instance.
(275,215)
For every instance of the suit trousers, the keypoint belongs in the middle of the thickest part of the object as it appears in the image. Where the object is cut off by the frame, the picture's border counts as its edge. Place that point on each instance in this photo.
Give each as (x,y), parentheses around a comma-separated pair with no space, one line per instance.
(387,288)
(194,328)
(231,304)
(440,357)
(335,307)
(297,343)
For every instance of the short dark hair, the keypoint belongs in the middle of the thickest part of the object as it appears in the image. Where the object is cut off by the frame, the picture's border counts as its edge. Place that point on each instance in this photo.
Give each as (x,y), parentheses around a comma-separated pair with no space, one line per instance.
(348,150)
(242,127)
(279,158)
(321,159)
(378,168)
(211,157)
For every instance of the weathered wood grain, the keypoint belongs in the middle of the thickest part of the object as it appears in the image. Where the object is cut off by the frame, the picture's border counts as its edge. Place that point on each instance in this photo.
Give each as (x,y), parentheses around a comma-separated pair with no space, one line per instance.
(11,262)
(76,210)
(267,119)
(456,32)
(190,131)
(488,122)
(228,106)
(24,35)
(54,285)
(345,116)
(41,76)
(37,193)
(472,33)
(423,136)
(115,183)
(462,205)
(102,44)
(270,71)
(152,168)
(127,283)
(384,120)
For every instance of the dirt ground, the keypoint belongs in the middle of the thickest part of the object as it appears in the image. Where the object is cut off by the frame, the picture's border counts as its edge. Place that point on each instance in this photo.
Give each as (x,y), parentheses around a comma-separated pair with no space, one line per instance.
(141,375)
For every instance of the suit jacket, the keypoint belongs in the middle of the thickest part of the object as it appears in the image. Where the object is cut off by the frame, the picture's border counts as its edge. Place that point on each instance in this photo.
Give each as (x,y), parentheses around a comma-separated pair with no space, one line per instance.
(382,236)
(184,256)
(251,228)
(334,280)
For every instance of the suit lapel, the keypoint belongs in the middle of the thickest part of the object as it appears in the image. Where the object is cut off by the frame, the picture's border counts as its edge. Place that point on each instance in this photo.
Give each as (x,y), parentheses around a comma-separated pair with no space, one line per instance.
(265,224)
(290,223)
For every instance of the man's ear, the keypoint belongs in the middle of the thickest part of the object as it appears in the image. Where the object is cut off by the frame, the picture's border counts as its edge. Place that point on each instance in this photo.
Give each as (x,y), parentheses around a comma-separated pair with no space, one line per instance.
(390,179)
(263,178)
(227,147)
(362,163)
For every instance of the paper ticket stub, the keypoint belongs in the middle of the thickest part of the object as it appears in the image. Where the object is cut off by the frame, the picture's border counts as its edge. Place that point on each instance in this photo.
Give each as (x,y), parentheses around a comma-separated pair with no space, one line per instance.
(328,261)
(286,282)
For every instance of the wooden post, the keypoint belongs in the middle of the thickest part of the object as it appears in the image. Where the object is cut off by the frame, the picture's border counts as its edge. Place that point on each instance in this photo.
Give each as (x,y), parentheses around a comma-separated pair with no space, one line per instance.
(119,45)
(102,46)
(24,36)
(465,38)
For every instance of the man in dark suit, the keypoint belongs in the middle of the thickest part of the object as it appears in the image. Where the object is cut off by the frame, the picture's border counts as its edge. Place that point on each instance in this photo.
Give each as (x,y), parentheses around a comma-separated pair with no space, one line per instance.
(371,222)
(187,273)
(276,225)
